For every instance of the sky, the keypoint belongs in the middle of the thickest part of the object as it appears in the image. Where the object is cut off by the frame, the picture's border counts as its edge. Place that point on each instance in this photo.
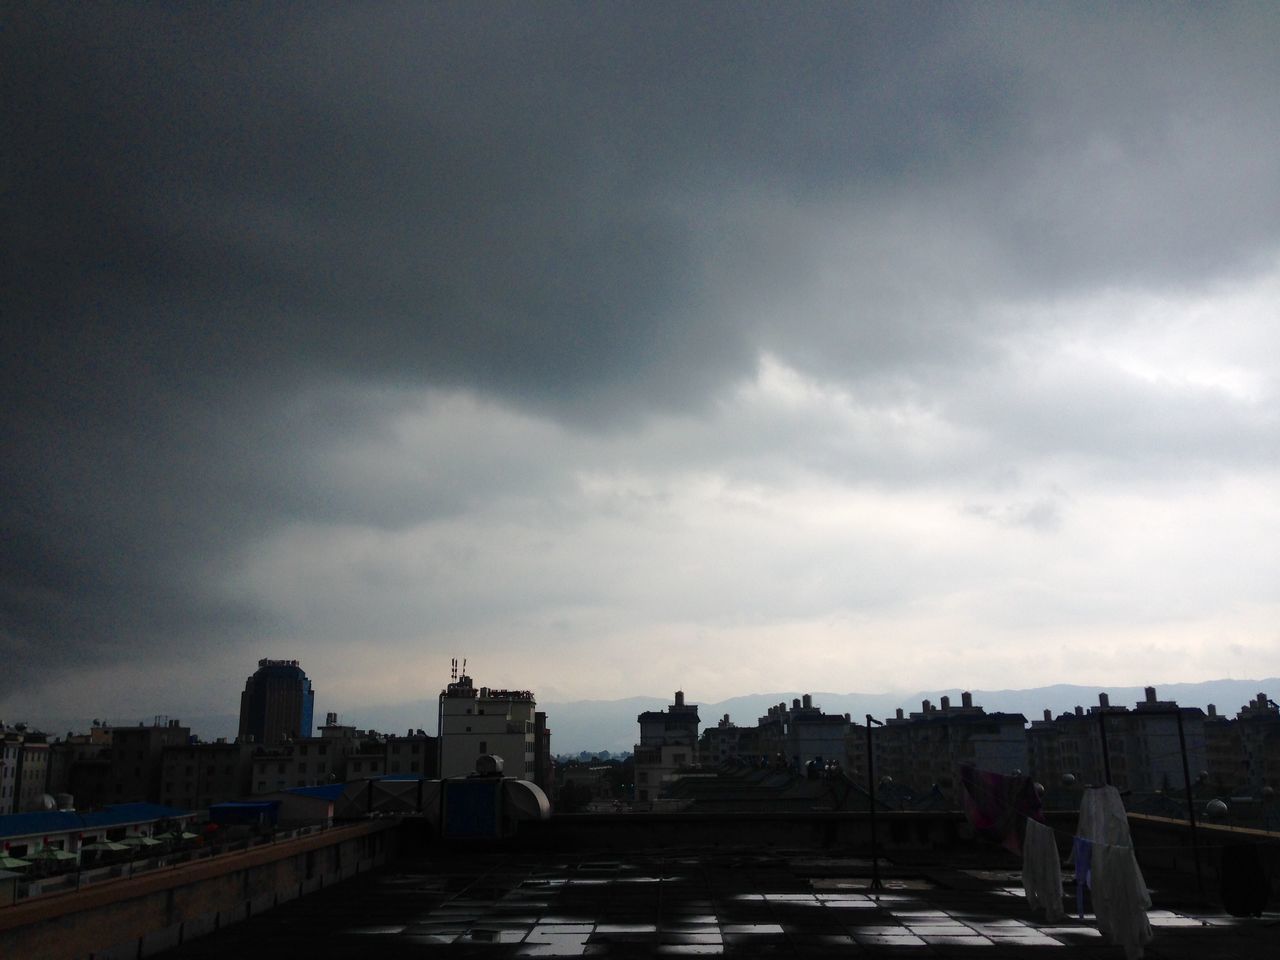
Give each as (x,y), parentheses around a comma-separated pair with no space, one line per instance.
(626,347)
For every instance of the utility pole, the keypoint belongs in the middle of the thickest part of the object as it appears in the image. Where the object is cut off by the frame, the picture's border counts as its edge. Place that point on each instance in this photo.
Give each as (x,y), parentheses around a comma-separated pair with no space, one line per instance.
(871,793)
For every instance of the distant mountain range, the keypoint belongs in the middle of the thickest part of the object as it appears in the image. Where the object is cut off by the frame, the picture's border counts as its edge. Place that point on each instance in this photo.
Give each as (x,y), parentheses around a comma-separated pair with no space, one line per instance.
(611,724)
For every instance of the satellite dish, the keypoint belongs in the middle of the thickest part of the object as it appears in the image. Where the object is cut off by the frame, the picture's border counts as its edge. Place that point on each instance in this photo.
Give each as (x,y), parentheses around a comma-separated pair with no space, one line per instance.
(47,802)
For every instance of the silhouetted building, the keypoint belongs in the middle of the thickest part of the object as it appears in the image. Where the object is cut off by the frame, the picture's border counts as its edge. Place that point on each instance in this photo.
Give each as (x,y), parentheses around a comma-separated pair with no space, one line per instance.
(802,733)
(195,775)
(668,741)
(277,703)
(925,749)
(80,764)
(137,755)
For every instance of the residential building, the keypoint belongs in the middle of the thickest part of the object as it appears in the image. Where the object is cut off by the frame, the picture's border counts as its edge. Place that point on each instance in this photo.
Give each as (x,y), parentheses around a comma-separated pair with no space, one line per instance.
(277,703)
(80,765)
(1259,723)
(1143,745)
(475,722)
(802,733)
(33,772)
(668,742)
(10,747)
(137,758)
(195,775)
(414,754)
(727,741)
(925,749)
(306,762)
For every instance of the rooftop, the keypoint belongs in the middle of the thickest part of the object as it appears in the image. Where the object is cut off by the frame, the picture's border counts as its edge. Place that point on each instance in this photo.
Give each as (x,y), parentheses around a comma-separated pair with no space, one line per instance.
(707,901)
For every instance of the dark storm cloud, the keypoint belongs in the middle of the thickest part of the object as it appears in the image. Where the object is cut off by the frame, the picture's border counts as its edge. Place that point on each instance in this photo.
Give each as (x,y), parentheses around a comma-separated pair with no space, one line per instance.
(233,226)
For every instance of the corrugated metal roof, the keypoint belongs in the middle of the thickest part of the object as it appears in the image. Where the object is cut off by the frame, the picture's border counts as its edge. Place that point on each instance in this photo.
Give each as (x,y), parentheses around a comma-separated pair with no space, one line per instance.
(63,821)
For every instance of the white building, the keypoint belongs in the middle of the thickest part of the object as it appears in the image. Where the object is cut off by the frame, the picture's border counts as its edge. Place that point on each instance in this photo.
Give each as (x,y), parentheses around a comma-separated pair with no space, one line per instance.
(486,721)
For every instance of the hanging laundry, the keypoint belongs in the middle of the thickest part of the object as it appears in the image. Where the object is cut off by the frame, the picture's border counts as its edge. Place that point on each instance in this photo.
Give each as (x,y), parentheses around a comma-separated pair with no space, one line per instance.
(1081,859)
(1116,884)
(1042,871)
(997,804)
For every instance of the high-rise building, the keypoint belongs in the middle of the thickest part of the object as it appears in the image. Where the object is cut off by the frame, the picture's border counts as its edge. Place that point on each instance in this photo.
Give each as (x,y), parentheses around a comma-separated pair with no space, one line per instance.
(277,703)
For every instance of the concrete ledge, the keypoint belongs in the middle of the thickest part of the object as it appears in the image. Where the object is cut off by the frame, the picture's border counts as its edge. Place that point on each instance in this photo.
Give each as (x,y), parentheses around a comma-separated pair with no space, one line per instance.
(142,916)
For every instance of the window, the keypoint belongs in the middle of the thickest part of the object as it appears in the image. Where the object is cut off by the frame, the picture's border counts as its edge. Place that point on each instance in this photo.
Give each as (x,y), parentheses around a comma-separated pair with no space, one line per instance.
(280,768)
(324,748)
(395,766)
(484,746)
(302,768)
(302,750)
(355,765)
(413,767)
(413,748)
(262,785)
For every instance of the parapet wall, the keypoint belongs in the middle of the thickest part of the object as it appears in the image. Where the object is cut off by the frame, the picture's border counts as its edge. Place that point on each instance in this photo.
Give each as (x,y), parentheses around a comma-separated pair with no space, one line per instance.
(142,916)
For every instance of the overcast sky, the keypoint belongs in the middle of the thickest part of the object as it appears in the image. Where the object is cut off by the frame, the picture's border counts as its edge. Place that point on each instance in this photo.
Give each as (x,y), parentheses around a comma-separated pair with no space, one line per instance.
(737,347)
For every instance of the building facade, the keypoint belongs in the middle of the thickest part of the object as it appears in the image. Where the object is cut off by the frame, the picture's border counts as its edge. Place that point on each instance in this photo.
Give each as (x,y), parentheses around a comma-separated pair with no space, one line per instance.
(195,775)
(668,743)
(475,722)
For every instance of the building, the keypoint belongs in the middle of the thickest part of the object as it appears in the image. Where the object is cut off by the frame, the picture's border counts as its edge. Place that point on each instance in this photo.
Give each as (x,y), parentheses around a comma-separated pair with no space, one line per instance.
(726,742)
(80,765)
(802,733)
(668,742)
(414,754)
(137,759)
(1143,748)
(475,722)
(307,762)
(10,747)
(24,768)
(924,750)
(277,703)
(196,775)
(1259,724)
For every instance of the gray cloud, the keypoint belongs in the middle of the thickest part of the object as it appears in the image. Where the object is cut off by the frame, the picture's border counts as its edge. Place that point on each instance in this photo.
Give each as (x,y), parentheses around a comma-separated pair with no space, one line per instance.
(246,241)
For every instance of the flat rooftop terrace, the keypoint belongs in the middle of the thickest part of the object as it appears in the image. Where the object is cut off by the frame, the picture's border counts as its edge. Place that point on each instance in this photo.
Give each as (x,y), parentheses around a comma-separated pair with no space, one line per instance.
(710,902)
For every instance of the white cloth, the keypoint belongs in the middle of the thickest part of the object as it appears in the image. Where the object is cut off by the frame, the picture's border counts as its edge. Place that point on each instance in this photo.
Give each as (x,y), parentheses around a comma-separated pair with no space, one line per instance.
(1042,871)
(1118,890)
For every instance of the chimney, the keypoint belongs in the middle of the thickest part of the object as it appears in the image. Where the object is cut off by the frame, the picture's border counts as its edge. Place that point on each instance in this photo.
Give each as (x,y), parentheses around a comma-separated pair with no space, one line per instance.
(679,698)
(1213,710)
(808,701)
(1104,701)
(1151,694)
(946,703)
(925,706)
(898,714)
(1048,714)
(966,700)
(1079,710)
(795,703)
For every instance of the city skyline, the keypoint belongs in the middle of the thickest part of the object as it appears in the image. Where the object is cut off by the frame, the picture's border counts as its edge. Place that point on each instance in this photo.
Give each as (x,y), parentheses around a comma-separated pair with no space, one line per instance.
(622,349)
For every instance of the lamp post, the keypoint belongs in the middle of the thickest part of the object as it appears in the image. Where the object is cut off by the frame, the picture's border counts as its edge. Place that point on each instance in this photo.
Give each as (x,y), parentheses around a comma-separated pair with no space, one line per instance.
(871,793)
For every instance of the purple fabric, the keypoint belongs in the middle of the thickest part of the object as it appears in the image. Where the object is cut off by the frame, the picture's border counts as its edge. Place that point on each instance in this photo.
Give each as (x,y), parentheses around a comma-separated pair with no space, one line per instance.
(1082,857)
(997,805)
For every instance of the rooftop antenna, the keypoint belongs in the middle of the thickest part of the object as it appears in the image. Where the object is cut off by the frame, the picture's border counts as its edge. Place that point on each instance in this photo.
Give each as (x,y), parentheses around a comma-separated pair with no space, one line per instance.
(464,666)
(453,672)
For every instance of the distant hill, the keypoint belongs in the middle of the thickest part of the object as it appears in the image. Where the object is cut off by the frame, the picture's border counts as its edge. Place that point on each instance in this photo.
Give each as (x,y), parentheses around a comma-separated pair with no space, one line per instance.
(611,724)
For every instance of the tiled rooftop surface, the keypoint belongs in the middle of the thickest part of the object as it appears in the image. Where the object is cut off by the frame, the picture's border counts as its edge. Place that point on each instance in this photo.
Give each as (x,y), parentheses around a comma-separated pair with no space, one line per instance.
(707,903)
